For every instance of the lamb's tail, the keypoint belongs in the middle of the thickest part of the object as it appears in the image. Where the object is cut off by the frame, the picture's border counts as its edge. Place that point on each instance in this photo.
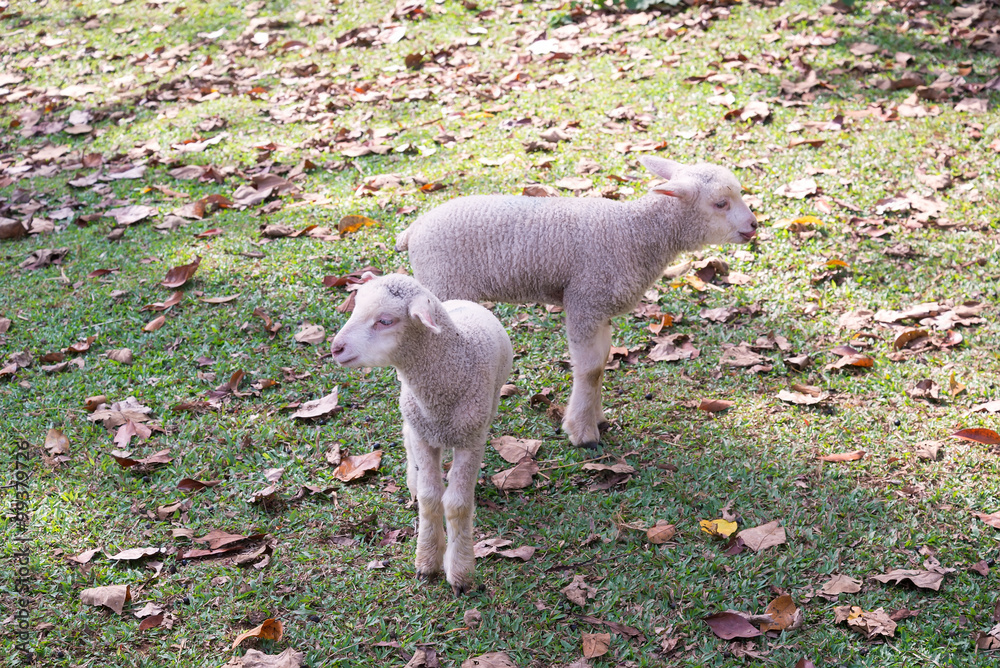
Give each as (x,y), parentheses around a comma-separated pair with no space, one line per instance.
(403,239)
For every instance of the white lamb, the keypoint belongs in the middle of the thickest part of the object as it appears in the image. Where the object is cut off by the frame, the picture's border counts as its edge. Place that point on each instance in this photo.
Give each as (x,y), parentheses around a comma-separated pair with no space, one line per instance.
(595,257)
(451,358)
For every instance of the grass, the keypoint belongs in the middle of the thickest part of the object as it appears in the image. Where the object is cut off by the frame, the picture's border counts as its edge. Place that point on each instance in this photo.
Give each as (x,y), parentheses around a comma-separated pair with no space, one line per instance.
(756,460)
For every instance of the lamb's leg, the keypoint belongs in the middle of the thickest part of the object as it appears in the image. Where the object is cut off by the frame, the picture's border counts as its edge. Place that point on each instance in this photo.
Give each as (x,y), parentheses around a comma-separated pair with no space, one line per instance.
(459,508)
(588,352)
(424,462)
(411,461)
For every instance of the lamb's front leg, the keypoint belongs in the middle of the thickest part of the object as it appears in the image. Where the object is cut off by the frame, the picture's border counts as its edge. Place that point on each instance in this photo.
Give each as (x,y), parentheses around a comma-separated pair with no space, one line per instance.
(424,463)
(459,508)
(588,352)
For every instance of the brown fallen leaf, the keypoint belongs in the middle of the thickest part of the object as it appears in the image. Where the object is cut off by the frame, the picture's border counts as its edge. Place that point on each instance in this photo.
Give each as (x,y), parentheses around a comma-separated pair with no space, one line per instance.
(178,276)
(120,411)
(764,536)
(155,323)
(729,625)
(192,485)
(310,334)
(785,615)
(871,624)
(135,553)
(513,449)
(122,356)
(321,407)
(85,556)
(924,579)
(517,477)
(351,224)
(661,532)
(114,597)
(490,660)
(843,456)
(578,591)
(978,435)
(840,584)
(801,398)
(993,519)
(353,467)
(269,629)
(56,442)
(715,405)
(290,658)
(151,622)
(596,644)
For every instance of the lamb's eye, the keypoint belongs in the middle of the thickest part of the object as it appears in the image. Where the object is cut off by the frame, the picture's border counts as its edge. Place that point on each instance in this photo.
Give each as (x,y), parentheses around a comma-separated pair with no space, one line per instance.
(722,204)
(385,322)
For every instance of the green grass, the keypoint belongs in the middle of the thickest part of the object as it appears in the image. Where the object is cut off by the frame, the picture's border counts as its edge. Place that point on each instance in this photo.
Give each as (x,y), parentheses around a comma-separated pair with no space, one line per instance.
(758,459)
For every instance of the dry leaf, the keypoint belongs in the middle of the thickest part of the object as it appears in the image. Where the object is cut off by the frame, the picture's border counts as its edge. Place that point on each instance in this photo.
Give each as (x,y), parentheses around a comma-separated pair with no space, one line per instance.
(514,449)
(993,519)
(764,536)
(135,553)
(801,398)
(351,224)
(56,442)
(871,624)
(114,597)
(984,436)
(269,629)
(843,456)
(785,615)
(596,644)
(661,532)
(578,591)
(353,467)
(924,579)
(729,625)
(150,622)
(517,477)
(840,584)
(318,407)
(311,334)
(180,275)
(490,660)
(715,405)
(290,658)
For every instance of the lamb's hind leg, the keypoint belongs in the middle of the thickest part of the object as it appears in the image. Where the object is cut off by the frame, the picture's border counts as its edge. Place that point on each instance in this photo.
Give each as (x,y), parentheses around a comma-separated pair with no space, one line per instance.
(423,464)
(588,352)
(459,508)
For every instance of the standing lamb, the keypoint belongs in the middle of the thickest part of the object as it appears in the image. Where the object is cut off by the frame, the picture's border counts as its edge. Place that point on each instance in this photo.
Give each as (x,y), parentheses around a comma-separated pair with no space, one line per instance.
(595,257)
(451,358)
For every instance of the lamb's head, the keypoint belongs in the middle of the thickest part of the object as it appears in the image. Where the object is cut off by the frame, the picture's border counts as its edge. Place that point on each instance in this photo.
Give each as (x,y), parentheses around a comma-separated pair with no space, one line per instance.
(714,192)
(387,311)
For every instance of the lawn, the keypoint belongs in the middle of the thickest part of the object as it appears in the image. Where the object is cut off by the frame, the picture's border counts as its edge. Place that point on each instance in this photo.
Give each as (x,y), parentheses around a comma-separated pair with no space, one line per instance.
(241,140)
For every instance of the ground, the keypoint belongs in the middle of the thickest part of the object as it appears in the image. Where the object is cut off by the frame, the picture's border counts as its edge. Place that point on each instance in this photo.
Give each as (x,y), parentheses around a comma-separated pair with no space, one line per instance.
(140,137)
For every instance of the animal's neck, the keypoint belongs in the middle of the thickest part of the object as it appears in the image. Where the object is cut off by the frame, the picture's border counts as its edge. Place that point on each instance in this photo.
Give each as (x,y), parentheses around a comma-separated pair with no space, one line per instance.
(665,227)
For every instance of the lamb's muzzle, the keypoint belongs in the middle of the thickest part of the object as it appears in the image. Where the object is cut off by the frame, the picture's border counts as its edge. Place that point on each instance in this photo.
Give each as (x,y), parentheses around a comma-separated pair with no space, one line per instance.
(595,257)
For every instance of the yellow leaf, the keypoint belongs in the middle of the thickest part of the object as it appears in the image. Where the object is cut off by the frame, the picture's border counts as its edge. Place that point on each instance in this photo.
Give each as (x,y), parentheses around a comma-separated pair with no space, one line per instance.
(721,528)
(349,224)
(836,263)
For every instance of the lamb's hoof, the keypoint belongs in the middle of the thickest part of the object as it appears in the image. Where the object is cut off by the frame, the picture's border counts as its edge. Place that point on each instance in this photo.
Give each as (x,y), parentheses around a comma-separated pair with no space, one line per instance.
(590,445)
(603,426)
(424,576)
(462,588)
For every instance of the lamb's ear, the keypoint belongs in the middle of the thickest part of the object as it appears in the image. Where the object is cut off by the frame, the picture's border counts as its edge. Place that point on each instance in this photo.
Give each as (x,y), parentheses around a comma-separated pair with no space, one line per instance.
(682,189)
(422,309)
(662,167)
(368,276)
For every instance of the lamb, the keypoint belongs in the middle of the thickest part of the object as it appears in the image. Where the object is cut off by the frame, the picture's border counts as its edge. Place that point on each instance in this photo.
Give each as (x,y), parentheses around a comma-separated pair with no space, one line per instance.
(452,359)
(595,257)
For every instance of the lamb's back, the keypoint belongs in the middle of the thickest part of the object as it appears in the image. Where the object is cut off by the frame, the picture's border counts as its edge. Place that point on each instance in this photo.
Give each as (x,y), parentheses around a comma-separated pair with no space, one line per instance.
(508,248)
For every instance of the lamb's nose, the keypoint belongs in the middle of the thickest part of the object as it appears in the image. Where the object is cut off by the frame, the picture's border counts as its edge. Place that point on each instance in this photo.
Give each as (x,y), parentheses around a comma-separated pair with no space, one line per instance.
(753,223)
(337,348)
